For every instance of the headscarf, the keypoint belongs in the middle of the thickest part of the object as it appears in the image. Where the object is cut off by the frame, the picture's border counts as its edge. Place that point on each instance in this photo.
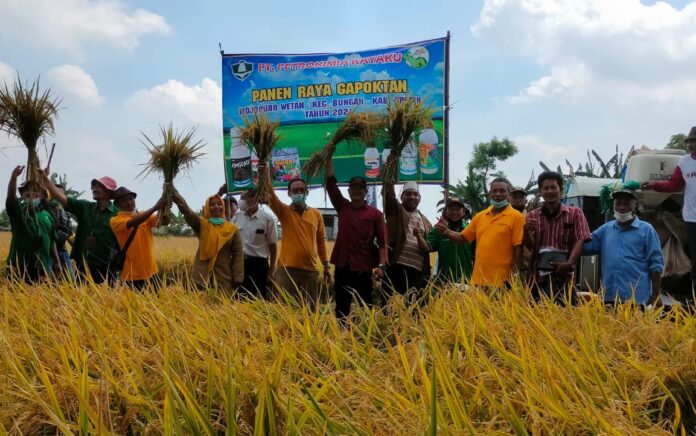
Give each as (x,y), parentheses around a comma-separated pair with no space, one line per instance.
(213,237)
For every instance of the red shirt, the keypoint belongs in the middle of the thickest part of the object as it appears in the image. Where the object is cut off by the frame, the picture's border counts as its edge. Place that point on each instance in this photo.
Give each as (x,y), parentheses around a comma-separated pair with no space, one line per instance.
(360,232)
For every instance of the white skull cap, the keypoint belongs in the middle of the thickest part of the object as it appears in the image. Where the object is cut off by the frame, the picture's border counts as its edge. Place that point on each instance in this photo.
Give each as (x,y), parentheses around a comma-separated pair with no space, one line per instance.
(409,186)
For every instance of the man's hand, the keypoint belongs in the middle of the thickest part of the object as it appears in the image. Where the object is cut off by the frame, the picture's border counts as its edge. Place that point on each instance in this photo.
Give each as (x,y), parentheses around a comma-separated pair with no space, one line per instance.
(327,273)
(563,268)
(223,190)
(378,273)
(17,171)
(271,273)
(646,186)
(417,232)
(160,203)
(441,226)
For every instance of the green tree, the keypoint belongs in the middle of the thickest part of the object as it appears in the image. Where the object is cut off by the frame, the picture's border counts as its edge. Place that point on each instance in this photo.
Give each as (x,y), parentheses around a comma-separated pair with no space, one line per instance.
(4,220)
(677,142)
(63,180)
(483,165)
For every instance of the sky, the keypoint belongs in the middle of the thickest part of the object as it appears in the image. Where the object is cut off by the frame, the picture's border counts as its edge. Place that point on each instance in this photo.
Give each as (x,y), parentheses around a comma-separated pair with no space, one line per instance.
(557,77)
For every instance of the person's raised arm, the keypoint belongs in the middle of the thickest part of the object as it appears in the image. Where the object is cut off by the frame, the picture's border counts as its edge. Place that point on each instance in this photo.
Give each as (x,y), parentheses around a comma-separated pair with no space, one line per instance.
(273,201)
(56,193)
(675,183)
(189,215)
(12,185)
(456,237)
(335,195)
(143,216)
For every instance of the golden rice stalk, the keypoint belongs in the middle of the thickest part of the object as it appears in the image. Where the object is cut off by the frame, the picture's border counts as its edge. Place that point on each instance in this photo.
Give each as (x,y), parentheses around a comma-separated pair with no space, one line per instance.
(356,126)
(259,132)
(28,113)
(405,117)
(174,153)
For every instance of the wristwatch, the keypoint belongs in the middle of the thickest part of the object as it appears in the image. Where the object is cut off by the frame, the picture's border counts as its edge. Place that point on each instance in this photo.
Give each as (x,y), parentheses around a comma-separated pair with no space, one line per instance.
(381,266)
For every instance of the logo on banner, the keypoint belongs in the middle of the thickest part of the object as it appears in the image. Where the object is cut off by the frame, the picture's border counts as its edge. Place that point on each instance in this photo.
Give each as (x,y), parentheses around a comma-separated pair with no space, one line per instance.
(417,57)
(242,69)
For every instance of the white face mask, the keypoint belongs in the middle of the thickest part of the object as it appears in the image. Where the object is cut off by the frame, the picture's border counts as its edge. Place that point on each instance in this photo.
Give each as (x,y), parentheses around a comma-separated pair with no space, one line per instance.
(242,205)
(623,217)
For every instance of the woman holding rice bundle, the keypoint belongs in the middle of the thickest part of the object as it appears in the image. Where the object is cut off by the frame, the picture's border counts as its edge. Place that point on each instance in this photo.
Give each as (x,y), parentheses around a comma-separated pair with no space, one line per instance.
(219,260)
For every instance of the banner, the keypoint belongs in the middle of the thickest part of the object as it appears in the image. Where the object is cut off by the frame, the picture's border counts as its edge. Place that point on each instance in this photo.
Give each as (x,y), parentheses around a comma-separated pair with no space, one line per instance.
(310,94)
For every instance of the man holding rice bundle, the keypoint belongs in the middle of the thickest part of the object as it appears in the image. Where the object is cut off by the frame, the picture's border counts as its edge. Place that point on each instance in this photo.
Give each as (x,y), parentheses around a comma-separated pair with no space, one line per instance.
(32,249)
(139,269)
(95,243)
(304,241)
(219,260)
(409,265)
(360,250)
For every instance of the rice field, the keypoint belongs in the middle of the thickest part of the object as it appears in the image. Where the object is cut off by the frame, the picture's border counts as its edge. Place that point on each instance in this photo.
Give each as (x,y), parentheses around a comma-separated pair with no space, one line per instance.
(95,360)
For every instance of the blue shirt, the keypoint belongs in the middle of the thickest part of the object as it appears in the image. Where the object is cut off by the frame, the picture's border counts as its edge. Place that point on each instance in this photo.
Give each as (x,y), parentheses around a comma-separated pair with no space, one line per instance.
(628,256)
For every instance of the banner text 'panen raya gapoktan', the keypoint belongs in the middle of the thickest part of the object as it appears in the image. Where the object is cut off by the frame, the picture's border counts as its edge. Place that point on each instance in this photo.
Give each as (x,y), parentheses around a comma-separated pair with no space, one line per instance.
(310,94)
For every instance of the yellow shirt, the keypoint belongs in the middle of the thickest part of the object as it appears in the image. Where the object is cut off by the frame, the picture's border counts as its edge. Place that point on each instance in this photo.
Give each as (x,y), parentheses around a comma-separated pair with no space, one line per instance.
(303,242)
(140,258)
(495,236)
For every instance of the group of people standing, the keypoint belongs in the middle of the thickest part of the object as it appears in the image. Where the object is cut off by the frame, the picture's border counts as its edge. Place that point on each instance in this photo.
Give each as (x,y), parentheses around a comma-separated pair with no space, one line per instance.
(238,244)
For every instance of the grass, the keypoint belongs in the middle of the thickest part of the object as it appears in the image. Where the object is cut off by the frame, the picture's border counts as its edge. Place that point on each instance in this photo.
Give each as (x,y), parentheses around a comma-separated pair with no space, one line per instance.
(96,360)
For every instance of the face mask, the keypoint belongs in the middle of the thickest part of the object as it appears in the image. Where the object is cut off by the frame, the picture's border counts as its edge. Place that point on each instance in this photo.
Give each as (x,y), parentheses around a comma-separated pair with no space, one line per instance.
(36,203)
(623,217)
(216,221)
(499,204)
(298,199)
(242,205)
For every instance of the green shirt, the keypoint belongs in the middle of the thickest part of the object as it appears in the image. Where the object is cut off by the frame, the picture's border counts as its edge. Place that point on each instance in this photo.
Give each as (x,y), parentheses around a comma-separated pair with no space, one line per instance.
(92,224)
(453,260)
(32,236)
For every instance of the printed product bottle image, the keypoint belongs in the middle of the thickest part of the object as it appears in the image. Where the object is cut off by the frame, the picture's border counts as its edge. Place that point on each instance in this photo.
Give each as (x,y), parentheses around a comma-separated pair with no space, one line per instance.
(371,162)
(240,158)
(427,151)
(407,162)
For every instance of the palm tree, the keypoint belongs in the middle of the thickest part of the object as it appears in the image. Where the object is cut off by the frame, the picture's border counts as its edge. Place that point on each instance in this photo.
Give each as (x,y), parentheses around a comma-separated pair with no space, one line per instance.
(27,113)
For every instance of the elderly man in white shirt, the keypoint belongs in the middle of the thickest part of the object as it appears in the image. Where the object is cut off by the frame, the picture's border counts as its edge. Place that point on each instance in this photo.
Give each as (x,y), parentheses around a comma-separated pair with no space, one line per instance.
(260,239)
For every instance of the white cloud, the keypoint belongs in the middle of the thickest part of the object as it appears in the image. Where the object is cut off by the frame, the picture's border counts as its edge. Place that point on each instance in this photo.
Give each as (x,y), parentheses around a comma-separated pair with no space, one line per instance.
(70,25)
(565,82)
(200,104)
(375,75)
(7,73)
(593,46)
(73,82)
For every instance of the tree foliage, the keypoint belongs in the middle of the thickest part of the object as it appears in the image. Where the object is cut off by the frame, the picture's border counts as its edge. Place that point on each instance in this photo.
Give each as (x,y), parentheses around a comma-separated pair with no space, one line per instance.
(677,142)
(483,165)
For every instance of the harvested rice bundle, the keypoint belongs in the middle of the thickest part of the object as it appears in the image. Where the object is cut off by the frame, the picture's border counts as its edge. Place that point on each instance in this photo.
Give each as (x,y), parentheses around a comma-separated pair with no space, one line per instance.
(175,154)
(404,118)
(260,133)
(356,126)
(28,114)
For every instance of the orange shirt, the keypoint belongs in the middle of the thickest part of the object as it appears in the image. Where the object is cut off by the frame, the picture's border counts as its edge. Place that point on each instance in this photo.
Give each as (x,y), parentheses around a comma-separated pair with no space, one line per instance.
(495,236)
(303,242)
(140,258)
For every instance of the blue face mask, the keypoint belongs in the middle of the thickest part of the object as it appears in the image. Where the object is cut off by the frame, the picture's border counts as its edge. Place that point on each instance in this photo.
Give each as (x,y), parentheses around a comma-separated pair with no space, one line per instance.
(499,204)
(298,199)
(216,221)
(36,203)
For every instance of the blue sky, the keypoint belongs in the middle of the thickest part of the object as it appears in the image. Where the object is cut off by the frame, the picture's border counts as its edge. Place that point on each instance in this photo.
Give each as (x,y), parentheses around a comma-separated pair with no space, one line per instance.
(555,76)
